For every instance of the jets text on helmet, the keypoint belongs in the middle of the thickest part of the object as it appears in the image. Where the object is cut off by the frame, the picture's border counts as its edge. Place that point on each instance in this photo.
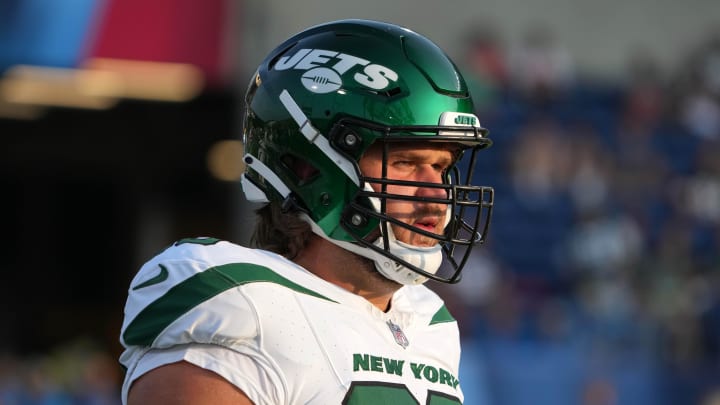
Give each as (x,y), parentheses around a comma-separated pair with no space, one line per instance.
(374,76)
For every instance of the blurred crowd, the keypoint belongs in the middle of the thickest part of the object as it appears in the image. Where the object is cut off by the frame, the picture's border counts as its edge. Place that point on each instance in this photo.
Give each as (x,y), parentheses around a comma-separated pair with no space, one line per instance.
(75,373)
(601,281)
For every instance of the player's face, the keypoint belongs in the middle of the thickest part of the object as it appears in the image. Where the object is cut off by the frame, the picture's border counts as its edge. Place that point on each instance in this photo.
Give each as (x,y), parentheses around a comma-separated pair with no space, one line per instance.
(424,162)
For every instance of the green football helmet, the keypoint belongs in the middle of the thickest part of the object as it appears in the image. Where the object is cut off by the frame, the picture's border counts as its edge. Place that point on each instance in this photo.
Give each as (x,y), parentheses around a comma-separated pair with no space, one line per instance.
(316,104)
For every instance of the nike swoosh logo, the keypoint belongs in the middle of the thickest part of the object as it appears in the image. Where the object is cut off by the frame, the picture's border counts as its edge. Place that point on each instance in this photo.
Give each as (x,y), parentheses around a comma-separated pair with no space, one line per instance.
(155,280)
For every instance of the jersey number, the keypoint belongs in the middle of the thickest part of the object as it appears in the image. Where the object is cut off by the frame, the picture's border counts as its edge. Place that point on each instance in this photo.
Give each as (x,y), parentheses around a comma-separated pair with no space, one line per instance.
(375,393)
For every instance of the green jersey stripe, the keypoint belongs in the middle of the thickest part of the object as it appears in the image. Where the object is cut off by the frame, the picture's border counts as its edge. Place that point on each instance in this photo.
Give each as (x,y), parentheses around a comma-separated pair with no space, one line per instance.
(441,316)
(178,300)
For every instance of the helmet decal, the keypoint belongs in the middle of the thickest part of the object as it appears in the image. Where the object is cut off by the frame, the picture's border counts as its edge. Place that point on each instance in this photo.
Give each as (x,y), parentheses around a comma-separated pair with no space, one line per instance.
(321,80)
(324,70)
(459,120)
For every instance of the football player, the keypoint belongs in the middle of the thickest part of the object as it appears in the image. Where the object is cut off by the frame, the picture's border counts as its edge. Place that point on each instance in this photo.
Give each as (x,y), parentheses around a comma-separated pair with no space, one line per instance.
(360,139)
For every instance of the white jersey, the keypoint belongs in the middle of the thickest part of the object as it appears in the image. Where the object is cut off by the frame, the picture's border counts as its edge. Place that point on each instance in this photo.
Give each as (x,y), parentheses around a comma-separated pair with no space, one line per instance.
(283,335)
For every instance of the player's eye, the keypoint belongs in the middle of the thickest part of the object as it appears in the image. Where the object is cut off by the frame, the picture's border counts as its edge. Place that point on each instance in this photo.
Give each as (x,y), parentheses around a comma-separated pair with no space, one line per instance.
(402,164)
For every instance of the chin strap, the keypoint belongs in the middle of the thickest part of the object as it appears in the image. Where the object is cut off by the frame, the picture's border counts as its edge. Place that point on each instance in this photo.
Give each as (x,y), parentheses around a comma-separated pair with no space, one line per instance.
(426,258)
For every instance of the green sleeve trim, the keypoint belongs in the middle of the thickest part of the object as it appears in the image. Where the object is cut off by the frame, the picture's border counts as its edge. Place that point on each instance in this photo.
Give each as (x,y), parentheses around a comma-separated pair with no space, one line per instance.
(442,316)
(198,241)
(180,299)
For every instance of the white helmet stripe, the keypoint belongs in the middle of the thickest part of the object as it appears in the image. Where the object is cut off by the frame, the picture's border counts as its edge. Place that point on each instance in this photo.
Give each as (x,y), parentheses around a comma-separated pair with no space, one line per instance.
(313,135)
(267,173)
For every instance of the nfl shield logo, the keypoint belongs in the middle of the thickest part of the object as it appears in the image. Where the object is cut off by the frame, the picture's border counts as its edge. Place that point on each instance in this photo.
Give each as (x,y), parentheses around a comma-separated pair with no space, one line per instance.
(398,334)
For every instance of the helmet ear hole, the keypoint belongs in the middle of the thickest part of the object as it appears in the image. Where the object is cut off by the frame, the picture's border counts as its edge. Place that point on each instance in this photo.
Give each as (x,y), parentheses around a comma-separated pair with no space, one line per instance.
(301,167)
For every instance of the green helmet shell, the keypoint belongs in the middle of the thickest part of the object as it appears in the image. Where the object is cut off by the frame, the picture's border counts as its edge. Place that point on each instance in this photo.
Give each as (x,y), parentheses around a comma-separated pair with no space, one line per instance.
(322,97)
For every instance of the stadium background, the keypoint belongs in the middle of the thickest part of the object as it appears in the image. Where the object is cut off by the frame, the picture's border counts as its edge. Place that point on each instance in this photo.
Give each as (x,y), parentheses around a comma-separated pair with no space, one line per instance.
(600,284)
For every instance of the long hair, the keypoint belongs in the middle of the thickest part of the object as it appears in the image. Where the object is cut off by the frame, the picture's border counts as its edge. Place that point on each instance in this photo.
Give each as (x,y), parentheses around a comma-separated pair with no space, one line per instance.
(280,231)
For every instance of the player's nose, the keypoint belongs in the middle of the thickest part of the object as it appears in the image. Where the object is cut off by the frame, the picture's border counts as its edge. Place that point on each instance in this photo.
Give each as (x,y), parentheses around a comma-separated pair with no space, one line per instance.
(428,174)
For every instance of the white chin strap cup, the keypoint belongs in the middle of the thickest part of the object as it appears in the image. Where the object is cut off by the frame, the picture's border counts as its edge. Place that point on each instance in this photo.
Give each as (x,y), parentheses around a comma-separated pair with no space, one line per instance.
(426,258)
